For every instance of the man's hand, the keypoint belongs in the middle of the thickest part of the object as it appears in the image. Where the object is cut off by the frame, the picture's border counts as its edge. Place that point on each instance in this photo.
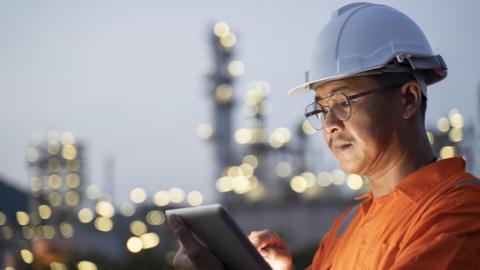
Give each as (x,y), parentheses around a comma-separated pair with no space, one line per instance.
(191,255)
(272,248)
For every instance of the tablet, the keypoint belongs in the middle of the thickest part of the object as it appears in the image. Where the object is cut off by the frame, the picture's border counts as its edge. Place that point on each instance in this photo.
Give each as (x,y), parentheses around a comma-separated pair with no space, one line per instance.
(220,234)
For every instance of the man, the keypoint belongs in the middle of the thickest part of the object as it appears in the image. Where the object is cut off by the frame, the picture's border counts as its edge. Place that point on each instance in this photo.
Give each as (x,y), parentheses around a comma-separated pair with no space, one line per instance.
(370,73)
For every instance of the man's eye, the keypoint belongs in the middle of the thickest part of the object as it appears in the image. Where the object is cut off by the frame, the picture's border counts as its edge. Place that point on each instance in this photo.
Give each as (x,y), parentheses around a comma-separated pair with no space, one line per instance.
(345,104)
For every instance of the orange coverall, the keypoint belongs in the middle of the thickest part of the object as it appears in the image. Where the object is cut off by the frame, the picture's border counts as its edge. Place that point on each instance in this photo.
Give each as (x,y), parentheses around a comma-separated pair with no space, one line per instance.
(430,221)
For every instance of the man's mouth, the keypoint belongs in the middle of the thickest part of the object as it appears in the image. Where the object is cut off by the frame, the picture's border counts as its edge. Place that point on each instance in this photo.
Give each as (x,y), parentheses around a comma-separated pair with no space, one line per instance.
(341,147)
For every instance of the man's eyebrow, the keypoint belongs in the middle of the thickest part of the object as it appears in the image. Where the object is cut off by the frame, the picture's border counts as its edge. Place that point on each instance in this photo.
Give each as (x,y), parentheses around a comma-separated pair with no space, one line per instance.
(334,90)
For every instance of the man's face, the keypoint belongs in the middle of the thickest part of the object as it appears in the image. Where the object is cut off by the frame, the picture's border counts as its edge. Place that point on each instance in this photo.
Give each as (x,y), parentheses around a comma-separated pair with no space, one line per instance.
(361,143)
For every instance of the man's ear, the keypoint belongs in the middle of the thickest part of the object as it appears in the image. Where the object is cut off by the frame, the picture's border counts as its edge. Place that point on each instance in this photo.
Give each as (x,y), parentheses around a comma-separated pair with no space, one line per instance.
(411,97)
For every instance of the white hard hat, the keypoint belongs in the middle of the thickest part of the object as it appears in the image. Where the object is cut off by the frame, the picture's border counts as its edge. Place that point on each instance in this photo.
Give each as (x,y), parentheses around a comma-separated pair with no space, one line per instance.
(365,38)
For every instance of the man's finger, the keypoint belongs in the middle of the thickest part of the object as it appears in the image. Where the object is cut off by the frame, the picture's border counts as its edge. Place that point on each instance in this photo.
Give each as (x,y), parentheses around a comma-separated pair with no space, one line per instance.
(260,239)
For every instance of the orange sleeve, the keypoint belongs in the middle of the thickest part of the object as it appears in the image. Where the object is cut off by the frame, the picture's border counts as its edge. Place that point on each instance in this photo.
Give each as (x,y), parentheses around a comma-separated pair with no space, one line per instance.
(323,255)
(447,236)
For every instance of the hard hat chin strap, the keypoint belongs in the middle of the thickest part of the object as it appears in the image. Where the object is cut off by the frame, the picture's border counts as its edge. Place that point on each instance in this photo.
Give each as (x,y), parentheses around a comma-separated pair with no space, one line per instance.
(420,78)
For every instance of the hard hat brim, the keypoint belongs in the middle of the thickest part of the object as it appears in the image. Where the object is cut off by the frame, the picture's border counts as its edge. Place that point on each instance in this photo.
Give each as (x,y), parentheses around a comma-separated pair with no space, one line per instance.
(312,85)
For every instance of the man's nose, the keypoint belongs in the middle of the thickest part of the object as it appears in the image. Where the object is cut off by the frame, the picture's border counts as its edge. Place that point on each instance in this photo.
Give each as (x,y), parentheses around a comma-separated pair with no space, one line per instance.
(331,123)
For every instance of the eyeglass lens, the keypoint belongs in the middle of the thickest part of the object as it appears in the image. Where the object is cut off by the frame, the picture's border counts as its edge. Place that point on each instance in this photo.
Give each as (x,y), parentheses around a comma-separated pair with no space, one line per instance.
(337,104)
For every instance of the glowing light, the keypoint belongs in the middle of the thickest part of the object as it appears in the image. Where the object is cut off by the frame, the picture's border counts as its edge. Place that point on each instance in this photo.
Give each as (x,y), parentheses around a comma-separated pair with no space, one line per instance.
(247,169)
(298,184)
(338,177)
(7,232)
(66,229)
(149,240)
(3,219)
(264,86)
(224,93)
(128,209)
(32,154)
(256,194)
(251,159)
(134,244)
(275,140)
(224,184)
(27,256)
(455,135)
(228,40)
(137,227)
(55,181)
(250,110)
(442,124)
(138,195)
(103,224)
(71,198)
(67,138)
(105,209)
(255,96)
(54,165)
(55,198)
(73,180)
(73,165)
(310,178)
(324,179)
(204,131)
(240,184)
(27,232)
(44,211)
(234,171)
(34,218)
(456,119)
(53,147)
(85,215)
(355,182)
(236,68)
(284,134)
(176,195)
(86,265)
(35,184)
(243,136)
(48,231)
(307,128)
(69,152)
(220,29)
(194,198)
(253,183)
(9,268)
(430,136)
(447,152)
(93,192)
(161,198)
(22,218)
(58,266)
(283,169)
(155,217)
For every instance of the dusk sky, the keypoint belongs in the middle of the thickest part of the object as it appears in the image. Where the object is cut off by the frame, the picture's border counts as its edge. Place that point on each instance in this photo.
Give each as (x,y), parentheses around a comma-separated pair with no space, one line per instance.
(128,77)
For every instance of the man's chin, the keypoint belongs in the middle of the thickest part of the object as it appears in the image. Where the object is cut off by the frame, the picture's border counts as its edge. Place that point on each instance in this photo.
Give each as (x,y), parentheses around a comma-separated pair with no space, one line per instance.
(349,166)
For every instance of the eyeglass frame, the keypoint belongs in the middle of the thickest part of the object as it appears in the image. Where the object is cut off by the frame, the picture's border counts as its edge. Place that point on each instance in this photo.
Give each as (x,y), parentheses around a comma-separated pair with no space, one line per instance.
(349,100)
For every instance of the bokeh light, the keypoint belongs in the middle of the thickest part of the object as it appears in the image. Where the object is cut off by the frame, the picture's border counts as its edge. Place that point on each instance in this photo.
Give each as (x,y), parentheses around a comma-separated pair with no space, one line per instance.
(138,195)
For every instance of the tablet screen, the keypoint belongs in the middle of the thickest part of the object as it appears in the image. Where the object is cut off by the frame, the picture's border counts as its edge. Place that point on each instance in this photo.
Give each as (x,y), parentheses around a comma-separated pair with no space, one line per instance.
(221,235)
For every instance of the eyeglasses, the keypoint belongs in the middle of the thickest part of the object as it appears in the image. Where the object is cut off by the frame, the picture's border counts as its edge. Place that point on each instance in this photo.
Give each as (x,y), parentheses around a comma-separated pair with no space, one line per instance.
(338,104)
